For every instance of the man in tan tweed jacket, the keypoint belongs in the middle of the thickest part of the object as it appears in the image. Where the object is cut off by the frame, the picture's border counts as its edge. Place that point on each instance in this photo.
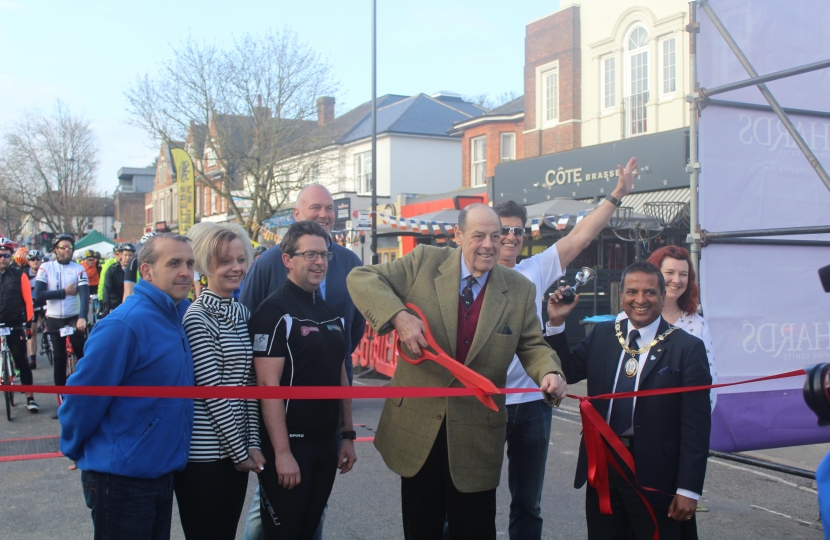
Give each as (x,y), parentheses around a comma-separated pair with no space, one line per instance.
(449,451)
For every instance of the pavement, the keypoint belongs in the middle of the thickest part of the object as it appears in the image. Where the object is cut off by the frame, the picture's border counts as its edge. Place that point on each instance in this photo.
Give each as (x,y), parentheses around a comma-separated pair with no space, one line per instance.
(43,500)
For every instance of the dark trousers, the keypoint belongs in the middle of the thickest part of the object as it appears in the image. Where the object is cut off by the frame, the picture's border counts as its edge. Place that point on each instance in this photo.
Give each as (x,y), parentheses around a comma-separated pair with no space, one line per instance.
(125,508)
(210,496)
(295,514)
(528,440)
(630,518)
(17,347)
(77,339)
(429,498)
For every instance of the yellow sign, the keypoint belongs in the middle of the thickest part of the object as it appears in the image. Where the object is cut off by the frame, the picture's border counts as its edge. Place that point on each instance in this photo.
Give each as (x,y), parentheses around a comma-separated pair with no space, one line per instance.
(187,189)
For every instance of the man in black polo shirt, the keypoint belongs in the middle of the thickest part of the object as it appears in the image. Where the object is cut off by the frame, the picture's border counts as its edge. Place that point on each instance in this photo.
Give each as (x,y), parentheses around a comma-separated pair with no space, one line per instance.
(299,340)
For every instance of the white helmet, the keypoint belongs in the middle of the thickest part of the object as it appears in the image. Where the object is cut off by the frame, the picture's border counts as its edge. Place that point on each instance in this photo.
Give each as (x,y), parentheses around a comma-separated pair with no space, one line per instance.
(147,236)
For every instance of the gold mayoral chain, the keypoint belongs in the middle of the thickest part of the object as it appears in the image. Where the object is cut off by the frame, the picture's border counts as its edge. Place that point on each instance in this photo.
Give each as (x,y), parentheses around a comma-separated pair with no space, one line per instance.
(632,363)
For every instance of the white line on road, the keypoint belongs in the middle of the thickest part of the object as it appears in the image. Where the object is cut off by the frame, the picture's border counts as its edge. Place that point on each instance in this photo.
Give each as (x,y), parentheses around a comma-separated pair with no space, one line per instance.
(782,515)
(566,420)
(765,475)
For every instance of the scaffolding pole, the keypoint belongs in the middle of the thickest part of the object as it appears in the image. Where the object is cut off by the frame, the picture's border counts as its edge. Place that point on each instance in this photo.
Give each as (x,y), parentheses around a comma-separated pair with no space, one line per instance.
(785,120)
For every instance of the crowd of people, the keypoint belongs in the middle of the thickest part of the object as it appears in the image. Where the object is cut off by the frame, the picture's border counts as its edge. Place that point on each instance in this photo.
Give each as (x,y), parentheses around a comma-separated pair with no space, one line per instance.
(302,310)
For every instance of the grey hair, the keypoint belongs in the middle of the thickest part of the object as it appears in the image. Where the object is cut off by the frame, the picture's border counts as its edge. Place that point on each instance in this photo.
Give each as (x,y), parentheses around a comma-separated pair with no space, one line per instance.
(288,244)
(148,253)
(462,216)
(211,241)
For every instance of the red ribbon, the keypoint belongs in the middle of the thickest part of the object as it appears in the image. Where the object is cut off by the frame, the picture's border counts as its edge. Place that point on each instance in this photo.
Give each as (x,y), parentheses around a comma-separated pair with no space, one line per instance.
(595,430)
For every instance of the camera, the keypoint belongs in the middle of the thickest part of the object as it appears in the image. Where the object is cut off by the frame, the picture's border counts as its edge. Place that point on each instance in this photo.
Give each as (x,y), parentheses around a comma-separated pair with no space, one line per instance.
(817,385)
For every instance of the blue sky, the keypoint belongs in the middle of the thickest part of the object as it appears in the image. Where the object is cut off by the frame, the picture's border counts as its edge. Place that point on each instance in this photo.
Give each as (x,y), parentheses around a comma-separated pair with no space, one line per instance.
(87,52)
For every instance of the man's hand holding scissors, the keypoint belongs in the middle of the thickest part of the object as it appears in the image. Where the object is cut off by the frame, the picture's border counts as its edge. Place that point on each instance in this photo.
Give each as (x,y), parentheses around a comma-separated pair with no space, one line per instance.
(411,331)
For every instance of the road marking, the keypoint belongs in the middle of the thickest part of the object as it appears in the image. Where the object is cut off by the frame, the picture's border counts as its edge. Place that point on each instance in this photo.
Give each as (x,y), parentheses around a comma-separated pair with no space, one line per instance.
(764,475)
(566,420)
(782,515)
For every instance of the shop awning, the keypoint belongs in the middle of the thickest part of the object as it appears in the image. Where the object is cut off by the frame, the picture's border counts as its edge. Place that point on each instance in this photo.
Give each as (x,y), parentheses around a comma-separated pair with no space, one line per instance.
(637,200)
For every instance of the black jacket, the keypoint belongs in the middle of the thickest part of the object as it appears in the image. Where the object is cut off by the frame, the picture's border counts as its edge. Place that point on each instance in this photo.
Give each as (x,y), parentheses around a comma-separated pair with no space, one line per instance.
(113,289)
(12,304)
(671,432)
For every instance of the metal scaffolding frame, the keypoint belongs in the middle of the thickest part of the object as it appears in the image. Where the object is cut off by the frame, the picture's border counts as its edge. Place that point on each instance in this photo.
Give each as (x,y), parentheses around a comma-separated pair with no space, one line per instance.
(698,98)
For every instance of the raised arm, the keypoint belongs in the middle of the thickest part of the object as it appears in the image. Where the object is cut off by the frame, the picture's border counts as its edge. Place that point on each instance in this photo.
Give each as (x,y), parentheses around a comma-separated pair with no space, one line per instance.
(592,224)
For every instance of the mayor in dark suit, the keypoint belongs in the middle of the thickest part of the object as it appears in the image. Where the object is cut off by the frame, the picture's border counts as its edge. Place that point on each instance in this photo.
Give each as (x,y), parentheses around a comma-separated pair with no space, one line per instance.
(667,435)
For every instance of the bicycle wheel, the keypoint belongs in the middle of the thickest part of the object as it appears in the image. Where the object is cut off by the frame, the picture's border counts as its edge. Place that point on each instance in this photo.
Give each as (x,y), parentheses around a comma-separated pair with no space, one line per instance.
(71,364)
(46,347)
(6,380)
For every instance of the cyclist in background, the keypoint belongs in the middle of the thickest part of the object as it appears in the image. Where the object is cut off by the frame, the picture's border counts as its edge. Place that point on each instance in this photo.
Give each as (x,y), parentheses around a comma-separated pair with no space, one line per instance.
(63,284)
(92,265)
(35,259)
(131,273)
(19,259)
(114,281)
(15,311)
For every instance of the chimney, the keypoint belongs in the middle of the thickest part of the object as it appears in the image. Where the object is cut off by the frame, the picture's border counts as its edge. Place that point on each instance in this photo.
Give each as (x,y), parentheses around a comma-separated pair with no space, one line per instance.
(259,100)
(325,110)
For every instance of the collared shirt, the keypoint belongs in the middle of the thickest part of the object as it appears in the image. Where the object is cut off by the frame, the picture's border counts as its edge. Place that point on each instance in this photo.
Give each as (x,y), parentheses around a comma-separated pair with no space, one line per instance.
(647,334)
(480,281)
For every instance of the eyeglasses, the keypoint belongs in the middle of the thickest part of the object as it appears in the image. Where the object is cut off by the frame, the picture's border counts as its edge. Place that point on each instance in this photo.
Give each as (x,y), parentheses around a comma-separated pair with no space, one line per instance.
(64,248)
(312,255)
(5,255)
(517,231)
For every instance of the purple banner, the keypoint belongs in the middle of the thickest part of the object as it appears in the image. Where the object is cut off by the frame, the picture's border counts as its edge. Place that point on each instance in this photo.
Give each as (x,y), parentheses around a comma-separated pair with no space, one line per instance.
(765,307)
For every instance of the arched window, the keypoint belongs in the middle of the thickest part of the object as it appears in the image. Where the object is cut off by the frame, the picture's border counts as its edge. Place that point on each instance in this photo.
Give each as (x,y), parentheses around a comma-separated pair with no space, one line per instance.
(636,82)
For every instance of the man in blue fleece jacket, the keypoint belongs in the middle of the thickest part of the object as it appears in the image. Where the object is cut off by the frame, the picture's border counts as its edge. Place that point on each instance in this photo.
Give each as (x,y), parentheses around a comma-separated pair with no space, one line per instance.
(128,448)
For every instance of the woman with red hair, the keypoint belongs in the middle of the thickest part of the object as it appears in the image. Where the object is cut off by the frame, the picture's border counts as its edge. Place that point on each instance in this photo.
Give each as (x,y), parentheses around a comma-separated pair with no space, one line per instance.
(683,297)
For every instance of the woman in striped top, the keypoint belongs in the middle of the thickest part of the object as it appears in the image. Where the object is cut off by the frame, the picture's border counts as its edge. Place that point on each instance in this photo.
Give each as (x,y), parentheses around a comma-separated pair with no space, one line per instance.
(225,443)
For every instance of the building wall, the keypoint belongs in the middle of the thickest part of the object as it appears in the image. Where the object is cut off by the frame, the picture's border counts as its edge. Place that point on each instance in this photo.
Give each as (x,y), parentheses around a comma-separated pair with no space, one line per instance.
(606,37)
(492,131)
(129,210)
(424,164)
(553,42)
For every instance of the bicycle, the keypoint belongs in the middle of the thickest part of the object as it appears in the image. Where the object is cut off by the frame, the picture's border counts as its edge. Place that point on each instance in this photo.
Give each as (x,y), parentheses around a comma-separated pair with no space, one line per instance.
(46,346)
(71,357)
(7,369)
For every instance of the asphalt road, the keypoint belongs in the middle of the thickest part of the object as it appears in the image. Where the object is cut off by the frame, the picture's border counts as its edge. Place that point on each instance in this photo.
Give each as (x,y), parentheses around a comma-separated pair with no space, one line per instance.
(41,499)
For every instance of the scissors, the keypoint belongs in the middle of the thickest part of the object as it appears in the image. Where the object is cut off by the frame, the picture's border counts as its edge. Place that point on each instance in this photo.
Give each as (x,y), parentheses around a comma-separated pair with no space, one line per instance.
(465,375)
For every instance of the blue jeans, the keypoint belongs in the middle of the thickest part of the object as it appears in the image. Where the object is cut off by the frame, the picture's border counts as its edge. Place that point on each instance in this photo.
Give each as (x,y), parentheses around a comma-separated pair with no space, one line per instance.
(125,508)
(528,439)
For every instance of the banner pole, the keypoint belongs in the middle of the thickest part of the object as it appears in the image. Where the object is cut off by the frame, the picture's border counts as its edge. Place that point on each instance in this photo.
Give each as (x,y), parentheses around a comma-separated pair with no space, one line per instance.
(693,167)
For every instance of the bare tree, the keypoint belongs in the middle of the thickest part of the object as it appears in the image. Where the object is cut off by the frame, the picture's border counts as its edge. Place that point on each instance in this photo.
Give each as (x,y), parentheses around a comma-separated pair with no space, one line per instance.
(243,111)
(48,165)
(494,102)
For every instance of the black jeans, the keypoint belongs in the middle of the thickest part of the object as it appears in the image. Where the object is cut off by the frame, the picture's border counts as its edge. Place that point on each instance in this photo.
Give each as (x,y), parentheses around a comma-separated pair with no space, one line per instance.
(126,508)
(77,339)
(17,347)
(430,497)
(210,496)
(295,514)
